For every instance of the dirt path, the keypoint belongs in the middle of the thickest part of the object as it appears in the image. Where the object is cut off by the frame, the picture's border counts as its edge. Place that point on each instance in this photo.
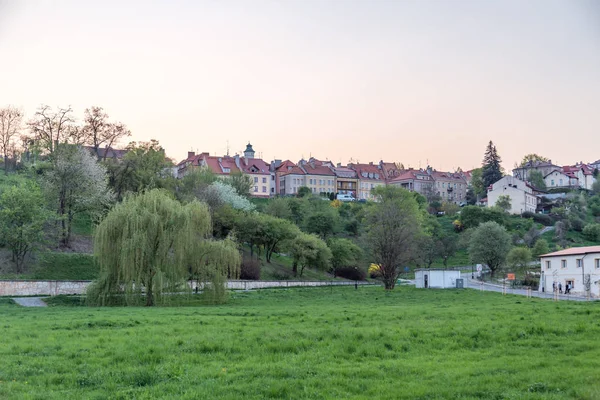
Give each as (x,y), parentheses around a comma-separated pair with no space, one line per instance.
(30,301)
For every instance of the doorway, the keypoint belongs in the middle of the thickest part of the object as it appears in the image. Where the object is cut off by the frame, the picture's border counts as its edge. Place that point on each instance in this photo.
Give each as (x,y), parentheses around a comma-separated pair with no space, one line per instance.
(425,281)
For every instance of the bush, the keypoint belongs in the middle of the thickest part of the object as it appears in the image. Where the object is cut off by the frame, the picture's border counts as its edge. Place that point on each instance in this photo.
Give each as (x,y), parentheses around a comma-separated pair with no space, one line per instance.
(374,271)
(352,273)
(543,219)
(250,269)
(592,232)
(576,223)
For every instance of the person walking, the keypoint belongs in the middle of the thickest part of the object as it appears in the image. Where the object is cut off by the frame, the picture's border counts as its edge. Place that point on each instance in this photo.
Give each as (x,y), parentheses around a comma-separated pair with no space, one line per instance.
(553,286)
(559,287)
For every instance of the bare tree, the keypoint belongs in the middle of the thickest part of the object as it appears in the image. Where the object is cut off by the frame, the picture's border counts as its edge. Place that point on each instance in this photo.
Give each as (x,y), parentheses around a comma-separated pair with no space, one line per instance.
(98,131)
(11,119)
(50,127)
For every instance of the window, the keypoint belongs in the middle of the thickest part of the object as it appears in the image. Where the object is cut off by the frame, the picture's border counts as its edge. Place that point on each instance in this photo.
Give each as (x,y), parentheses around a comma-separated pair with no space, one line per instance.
(552,182)
(560,182)
(578,262)
(548,264)
(264,180)
(264,189)
(255,189)
(272,177)
(255,180)
(563,263)
(597,262)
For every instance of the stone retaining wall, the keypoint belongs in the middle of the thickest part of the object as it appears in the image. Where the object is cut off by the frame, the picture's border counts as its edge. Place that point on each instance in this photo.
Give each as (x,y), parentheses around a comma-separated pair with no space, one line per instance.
(53,288)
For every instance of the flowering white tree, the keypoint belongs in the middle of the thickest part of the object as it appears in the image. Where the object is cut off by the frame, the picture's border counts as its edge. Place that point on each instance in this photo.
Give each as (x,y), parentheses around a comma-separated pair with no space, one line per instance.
(76,183)
(229,195)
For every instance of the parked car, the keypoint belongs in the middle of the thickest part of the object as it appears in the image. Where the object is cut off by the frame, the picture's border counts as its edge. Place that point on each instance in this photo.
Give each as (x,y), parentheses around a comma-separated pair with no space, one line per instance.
(346,197)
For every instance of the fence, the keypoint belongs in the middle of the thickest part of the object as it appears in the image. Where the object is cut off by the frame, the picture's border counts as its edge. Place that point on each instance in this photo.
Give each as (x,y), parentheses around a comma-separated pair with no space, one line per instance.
(53,288)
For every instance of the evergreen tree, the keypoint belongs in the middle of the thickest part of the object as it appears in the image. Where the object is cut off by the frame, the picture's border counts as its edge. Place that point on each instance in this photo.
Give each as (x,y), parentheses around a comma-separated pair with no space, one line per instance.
(492,171)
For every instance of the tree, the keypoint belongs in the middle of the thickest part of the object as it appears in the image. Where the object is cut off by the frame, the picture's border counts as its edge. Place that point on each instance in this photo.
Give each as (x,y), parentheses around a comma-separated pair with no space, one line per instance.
(279,208)
(531,237)
(97,131)
(447,245)
(242,183)
(472,216)
(308,251)
(22,217)
(344,253)
(531,158)
(322,223)
(194,185)
(518,258)
(50,128)
(490,244)
(504,203)
(228,195)
(273,231)
(304,191)
(144,167)
(596,187)
(394,226)
(151,243)
(76,183)
(477,184)
(491,169)
(540,247)
(11,119)
(537,180)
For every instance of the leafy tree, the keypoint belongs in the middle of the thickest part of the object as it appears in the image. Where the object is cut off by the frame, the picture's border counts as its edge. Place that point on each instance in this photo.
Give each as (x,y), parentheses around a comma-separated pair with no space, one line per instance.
(477,184)
(518,258)
(595,173)
(76,183)
(242,183)
(537,180)
(491,169)
(322,223)
(531,237)
(280,208)
(11,119)
(344,253)
(194,184)
(447,245)
(450,208)
(428,251)
(304,191)
(144,167)
(532,158)
(490,244)
(540,247)
(592,232)
(298,208)
(308,251)
(272,231)
(471,197)
(228,195)
(151,243)
(394,225)
(472,216)
(504,203)
(22,217)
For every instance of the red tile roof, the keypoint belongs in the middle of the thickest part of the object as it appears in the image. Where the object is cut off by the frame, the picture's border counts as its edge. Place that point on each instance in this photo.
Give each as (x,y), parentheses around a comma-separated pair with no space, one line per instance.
(316,167)
(368,171)
(289,168)
(574,251)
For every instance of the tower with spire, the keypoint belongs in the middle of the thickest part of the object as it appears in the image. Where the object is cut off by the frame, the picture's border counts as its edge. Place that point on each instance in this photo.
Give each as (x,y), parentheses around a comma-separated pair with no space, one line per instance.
(249,152)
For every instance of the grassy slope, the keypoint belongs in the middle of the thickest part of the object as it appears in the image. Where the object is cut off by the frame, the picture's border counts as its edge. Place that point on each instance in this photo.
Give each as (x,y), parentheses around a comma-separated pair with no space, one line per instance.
(307,343)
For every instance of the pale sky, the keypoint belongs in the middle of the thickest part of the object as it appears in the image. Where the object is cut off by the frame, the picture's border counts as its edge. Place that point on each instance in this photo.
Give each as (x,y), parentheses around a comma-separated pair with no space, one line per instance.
(407,81)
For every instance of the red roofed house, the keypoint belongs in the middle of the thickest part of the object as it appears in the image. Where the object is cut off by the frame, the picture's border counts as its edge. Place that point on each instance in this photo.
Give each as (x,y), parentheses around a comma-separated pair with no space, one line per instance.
(289,177)
(559,178)
(257,169)
(584,174)
(319,176)
(370,176)
(578,267)
(415,180)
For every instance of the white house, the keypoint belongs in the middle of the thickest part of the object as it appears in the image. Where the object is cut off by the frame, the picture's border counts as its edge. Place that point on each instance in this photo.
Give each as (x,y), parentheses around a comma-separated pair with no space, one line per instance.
(436,278)
(521,195)
(561,179)
(577,266)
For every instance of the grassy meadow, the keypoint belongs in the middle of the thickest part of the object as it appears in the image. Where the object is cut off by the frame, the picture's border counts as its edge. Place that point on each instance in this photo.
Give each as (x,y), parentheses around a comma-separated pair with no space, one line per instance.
(313,343)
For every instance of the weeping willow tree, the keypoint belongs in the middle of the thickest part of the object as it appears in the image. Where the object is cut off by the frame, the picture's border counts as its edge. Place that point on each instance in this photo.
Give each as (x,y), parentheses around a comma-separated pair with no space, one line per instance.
(151,245)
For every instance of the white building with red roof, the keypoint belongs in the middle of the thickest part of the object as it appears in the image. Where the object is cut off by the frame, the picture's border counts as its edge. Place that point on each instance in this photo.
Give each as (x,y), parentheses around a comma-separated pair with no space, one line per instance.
(578,267)
(370,176)
(289,178)
(319,176)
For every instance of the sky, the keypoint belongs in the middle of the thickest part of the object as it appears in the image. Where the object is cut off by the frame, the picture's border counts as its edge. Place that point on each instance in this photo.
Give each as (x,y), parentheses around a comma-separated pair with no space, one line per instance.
(419,82)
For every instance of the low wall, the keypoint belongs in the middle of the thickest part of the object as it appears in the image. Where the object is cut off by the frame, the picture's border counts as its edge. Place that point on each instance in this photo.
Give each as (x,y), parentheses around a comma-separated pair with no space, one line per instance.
(53,288)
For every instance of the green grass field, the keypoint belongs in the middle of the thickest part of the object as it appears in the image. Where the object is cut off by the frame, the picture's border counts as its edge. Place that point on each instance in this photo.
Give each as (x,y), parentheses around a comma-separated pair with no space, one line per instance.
(317,343)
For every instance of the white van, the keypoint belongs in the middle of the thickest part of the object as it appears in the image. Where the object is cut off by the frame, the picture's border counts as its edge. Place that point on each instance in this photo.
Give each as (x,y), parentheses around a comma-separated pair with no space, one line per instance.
(345,197)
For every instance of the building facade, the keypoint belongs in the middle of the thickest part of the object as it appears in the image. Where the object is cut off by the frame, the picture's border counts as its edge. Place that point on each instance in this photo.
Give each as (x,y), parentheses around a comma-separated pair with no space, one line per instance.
(369,176)
(579,267)
(521,195)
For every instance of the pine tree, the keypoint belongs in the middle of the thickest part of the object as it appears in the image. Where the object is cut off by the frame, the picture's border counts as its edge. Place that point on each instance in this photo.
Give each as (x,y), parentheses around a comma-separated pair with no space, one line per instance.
(492,171)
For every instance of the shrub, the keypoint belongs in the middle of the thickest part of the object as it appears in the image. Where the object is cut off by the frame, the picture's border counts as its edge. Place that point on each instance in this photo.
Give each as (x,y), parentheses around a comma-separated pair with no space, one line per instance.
(374,271)
(576,223)
(352,273)
(592,232)
(543,219)
(70,266)
(250,269)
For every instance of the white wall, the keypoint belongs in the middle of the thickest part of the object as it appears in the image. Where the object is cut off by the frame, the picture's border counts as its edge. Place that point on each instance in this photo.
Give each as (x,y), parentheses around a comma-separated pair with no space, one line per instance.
(521,196)
(556,273)
(437,279)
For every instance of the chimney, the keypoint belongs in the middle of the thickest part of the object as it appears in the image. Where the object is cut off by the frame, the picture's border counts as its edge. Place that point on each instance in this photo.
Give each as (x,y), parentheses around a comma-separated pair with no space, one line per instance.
(339,165)
(191,154)
(371,163)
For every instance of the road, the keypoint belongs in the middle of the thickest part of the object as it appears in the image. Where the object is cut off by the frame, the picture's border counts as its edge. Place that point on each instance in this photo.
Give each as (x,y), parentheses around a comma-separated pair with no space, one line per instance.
(474,284)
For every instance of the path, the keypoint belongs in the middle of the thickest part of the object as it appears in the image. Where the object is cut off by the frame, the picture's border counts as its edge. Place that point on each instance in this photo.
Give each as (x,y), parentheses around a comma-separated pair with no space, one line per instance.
(30,301)
(474,284)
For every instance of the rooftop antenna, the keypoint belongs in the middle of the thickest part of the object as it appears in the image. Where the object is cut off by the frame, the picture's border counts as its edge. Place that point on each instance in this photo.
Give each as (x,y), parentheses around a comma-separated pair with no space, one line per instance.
(227,148)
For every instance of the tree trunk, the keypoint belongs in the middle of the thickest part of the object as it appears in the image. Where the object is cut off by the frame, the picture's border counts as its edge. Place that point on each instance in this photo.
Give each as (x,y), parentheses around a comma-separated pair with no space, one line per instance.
(295,268)
(5,164)
(149,294)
